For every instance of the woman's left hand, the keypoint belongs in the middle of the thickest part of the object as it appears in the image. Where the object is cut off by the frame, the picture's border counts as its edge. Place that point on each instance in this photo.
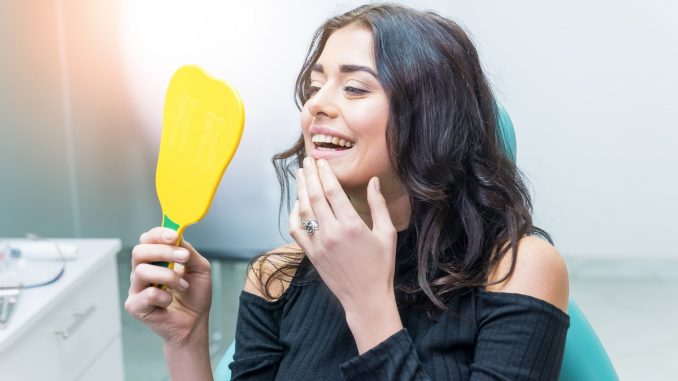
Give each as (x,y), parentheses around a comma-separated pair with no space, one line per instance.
(357,263)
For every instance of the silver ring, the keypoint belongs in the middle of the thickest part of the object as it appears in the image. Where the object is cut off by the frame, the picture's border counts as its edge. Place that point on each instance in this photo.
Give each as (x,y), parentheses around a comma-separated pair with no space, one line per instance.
(311,226)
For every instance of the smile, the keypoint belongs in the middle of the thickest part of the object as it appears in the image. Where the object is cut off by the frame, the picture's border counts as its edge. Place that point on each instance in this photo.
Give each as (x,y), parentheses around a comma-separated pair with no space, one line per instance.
(328,147)
(326,142)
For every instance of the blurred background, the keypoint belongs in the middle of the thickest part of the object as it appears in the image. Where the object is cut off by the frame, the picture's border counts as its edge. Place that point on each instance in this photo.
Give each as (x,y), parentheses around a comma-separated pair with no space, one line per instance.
(590,86)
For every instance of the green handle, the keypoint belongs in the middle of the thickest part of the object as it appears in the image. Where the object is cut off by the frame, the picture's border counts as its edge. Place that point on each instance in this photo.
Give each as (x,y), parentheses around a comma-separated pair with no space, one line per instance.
(167,223)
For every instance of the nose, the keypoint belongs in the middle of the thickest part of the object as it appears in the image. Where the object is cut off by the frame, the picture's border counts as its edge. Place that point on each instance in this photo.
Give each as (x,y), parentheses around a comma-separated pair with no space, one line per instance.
(322,103)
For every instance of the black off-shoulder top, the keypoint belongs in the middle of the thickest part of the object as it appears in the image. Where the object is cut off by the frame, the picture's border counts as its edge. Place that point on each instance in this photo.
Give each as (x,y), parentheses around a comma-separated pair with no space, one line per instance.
(485,336)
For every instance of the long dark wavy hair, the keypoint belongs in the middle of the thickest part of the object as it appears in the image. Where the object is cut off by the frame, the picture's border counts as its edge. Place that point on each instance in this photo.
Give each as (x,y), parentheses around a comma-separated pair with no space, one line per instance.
(470,205)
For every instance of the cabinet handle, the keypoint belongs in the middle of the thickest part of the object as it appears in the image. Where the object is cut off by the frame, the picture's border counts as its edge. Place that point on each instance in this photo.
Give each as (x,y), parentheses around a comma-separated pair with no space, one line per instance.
(80,317)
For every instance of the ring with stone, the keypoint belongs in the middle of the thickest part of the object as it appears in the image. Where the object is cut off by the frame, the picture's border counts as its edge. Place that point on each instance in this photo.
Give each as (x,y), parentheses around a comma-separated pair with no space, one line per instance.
(311,226)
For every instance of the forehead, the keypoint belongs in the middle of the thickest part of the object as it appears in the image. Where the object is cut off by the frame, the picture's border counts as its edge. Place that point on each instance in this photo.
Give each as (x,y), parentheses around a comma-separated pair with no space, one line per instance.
(349,45)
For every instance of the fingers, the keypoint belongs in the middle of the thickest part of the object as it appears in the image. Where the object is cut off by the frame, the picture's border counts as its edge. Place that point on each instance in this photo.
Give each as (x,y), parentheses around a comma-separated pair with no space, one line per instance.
(381,218)
(315,193)
(341,205)
(159,235)
(146,253)
(159,245)
(305,210)
(143,303)
(195,263)
(298,234)
(146,274)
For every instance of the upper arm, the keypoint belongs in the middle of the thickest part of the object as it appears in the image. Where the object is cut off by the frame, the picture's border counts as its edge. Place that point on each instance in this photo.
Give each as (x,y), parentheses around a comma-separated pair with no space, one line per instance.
(266,266)
(258,350)
(539,272)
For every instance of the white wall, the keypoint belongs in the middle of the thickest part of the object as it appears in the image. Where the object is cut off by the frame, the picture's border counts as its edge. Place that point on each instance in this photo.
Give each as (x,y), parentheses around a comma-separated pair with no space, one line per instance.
(590,87)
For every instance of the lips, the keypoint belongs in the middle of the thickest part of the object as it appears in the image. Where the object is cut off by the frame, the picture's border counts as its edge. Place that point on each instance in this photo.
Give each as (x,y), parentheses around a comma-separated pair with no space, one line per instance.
(318,152)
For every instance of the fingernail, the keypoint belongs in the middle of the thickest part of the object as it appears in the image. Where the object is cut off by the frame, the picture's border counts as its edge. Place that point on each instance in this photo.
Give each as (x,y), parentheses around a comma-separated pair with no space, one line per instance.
(169,235)
(376,184)
(307,162)
(180,255)
(183,285)
(321,163)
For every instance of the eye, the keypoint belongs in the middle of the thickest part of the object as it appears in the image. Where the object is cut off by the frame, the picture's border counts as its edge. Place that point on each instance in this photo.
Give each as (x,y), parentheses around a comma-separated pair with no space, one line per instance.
(311,90)
(354,90)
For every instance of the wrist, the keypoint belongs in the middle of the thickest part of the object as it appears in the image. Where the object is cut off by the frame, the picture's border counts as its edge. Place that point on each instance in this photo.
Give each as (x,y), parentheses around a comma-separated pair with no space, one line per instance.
(373,323)
(195,349)
(189,360)
(370,300)
(195,337)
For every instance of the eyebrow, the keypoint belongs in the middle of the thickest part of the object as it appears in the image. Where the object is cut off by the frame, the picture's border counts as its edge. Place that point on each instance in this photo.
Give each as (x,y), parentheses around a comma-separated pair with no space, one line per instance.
(346,69)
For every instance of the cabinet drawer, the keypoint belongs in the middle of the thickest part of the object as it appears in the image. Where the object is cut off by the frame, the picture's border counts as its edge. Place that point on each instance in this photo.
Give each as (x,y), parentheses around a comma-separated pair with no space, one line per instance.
(108,367)
(87,320)
(44,354)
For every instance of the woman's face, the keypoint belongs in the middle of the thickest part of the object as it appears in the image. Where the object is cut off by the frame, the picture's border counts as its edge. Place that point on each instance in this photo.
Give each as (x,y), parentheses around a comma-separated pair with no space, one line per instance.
(348,102)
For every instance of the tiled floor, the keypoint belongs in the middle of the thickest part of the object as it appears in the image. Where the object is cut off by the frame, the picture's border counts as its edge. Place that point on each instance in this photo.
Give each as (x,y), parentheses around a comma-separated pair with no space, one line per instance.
(631,303)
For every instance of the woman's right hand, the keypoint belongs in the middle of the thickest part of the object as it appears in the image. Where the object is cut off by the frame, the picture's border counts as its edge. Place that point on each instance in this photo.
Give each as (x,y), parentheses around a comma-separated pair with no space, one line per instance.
(179,314)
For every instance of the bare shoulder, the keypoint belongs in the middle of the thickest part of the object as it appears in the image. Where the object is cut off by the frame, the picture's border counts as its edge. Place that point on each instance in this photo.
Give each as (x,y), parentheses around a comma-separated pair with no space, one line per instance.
(540,272)
(273,263)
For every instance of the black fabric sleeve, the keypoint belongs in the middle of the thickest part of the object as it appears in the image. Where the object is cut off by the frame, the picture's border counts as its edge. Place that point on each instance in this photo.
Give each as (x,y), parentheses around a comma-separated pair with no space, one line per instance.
(519,338)
(257,345)
(393,359)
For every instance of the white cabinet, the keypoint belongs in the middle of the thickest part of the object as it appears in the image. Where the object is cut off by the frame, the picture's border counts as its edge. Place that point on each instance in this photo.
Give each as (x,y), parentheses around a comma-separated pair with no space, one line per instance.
(69,330)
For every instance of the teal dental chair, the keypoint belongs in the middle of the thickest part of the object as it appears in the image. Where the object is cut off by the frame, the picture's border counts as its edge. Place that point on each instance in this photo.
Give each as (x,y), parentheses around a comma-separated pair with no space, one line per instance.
(584,359)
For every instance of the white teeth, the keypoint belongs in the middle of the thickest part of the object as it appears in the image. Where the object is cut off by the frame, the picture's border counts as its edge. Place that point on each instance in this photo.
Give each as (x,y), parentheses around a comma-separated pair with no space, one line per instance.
(321,138)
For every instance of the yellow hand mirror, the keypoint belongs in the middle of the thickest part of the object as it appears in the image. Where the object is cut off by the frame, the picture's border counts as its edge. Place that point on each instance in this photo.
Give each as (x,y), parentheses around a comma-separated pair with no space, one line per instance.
(202,123)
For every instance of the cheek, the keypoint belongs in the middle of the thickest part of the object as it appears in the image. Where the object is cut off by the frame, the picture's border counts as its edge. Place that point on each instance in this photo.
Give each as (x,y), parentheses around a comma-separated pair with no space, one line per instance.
(305,122)
(368,119)
(370,123)
(372,158)
(306,119)
(371,115)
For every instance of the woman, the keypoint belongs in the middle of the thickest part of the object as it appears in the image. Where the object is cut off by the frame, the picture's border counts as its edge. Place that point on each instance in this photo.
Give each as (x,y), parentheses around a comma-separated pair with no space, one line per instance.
(415,256)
